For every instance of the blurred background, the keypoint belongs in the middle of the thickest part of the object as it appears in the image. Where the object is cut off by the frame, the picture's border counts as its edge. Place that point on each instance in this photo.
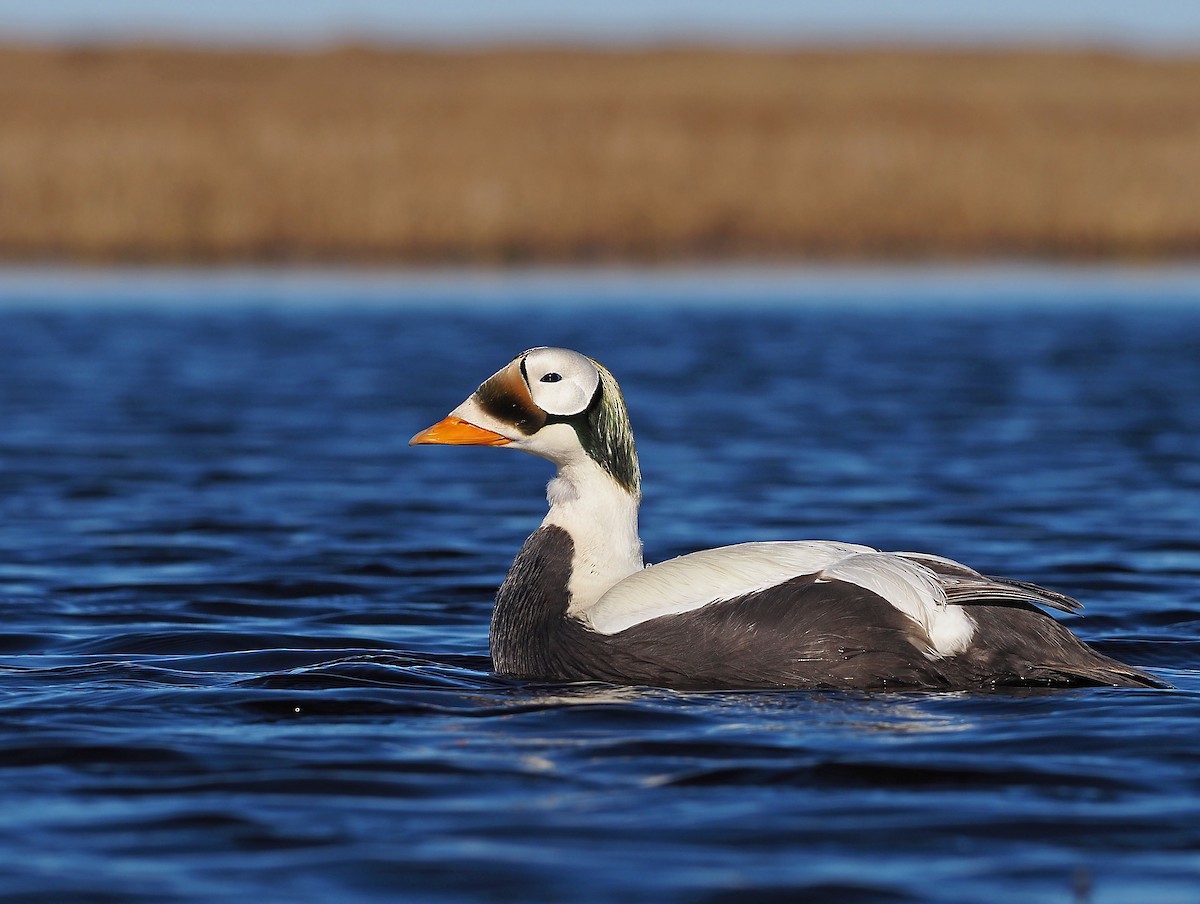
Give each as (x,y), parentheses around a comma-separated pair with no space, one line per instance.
(468,132)
(248,248)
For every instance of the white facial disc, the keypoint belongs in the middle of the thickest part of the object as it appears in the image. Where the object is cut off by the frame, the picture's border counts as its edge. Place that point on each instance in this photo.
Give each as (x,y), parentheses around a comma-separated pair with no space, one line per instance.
(560,381)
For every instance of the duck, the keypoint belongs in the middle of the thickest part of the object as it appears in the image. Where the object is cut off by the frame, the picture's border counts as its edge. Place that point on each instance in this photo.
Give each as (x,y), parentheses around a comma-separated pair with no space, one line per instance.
(580,604)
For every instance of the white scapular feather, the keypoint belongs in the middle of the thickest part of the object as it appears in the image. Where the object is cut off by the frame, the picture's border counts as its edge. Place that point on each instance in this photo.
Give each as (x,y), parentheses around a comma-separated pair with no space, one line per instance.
(914,590)
(703,578)
(708,576)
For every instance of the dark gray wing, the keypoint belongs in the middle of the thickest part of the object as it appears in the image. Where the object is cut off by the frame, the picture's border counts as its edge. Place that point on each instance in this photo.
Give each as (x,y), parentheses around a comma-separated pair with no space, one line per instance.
(967,587)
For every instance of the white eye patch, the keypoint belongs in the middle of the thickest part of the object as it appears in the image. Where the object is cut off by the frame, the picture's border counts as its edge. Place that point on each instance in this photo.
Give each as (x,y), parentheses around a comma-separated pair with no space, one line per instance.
(560,381)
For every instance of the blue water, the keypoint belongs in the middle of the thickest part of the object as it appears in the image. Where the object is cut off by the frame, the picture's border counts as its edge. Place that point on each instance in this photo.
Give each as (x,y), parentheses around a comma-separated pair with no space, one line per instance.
(243,626)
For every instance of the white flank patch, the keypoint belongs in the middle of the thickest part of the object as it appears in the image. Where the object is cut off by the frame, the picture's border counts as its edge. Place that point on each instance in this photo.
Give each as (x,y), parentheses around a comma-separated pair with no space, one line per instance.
(702,578)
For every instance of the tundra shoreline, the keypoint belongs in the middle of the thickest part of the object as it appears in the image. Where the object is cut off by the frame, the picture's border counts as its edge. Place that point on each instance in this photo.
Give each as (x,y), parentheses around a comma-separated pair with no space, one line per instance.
(521,156)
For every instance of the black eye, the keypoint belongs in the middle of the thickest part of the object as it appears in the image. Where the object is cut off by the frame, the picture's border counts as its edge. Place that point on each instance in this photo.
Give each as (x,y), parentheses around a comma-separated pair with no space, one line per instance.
(550,378)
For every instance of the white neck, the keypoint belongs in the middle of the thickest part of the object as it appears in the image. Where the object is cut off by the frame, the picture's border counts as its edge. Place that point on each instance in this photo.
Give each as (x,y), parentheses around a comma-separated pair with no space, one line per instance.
(602,519)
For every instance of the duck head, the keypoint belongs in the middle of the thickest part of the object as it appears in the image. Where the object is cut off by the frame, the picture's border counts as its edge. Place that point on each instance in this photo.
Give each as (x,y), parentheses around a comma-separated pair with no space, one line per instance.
(551,402)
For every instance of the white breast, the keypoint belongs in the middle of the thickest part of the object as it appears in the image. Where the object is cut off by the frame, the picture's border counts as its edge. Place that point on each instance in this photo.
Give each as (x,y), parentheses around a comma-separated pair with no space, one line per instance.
(704,578)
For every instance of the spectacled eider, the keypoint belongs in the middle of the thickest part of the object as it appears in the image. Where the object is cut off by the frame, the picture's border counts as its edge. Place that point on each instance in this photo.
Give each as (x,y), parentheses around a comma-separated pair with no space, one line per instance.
(578,603)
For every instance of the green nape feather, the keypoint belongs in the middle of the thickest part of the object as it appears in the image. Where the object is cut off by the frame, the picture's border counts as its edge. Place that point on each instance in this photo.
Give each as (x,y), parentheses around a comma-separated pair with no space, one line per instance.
(608,438)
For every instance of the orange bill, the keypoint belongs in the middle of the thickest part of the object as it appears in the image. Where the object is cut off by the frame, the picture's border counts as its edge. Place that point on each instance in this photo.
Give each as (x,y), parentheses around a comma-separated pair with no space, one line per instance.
(454,431)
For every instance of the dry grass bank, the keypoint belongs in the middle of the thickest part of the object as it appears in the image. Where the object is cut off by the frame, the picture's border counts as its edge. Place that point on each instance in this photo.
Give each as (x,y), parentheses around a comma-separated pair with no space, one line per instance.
(142,154)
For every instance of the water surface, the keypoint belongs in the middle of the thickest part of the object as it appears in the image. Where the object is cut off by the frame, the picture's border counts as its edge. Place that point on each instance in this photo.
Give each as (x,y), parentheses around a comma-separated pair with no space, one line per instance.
(243,651)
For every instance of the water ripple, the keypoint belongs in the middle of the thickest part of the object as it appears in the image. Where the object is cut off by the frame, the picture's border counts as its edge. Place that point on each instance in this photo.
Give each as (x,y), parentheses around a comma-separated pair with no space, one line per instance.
(244,646)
